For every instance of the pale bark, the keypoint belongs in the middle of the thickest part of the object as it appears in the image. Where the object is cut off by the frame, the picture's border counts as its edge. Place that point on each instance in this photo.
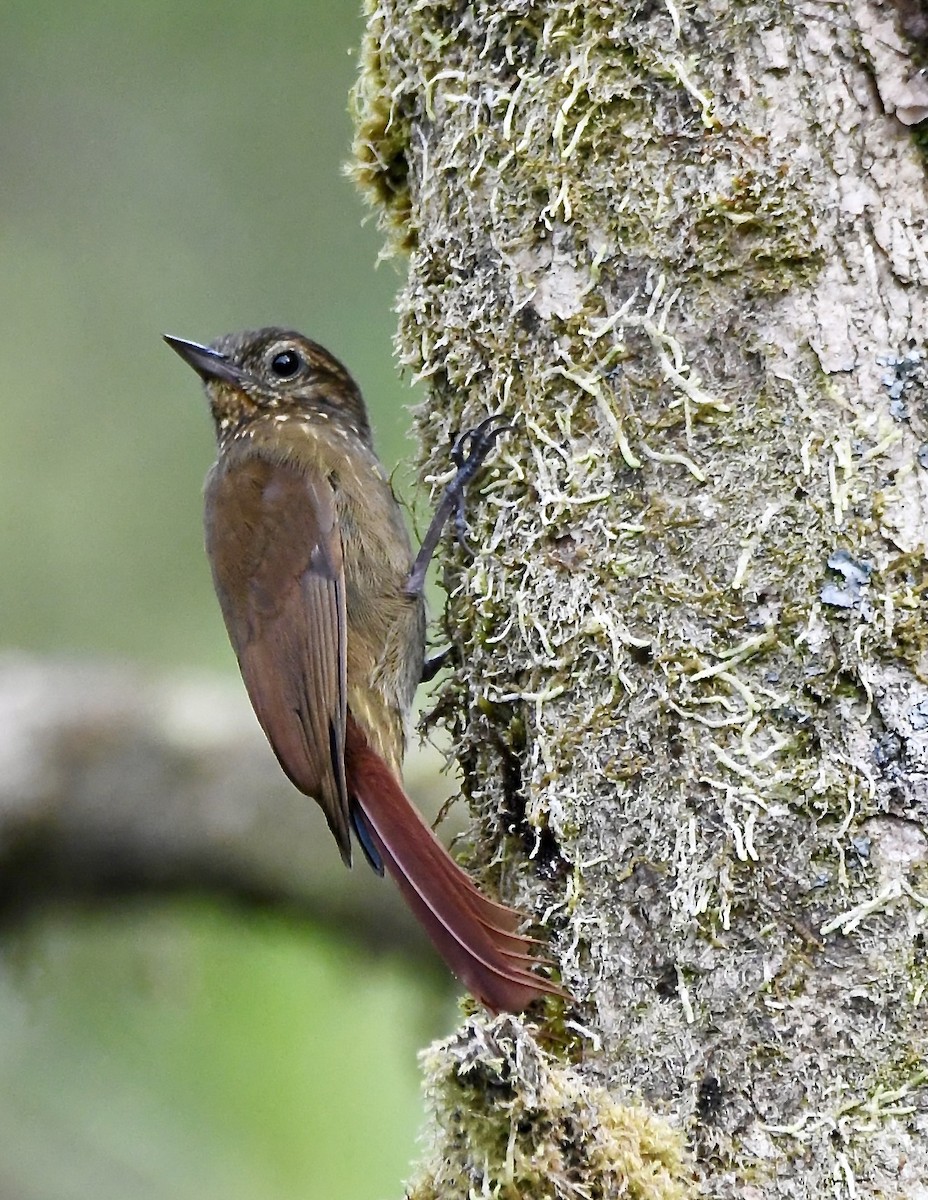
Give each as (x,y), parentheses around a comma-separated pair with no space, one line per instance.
(683,247)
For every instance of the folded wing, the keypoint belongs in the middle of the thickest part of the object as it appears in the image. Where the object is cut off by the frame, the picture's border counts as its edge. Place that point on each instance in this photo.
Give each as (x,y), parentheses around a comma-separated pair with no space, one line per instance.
(273,541)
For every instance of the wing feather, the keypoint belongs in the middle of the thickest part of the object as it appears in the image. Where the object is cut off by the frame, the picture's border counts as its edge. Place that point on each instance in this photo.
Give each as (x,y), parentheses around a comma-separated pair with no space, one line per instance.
(274,544)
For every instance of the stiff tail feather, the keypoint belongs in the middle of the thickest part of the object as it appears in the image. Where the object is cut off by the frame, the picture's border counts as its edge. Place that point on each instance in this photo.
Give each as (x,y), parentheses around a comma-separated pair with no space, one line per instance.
(475,936)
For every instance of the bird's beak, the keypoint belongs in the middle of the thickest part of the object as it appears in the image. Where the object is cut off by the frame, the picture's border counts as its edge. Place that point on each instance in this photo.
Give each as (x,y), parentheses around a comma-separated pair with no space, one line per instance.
(208,363)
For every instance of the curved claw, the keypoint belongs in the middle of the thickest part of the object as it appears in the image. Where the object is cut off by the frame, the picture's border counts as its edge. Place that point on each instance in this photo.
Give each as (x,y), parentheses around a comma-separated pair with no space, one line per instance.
(468,452)
(478,442)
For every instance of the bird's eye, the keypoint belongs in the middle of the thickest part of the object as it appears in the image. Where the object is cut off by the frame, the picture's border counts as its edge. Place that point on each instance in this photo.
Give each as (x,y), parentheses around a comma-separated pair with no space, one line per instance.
(286,364)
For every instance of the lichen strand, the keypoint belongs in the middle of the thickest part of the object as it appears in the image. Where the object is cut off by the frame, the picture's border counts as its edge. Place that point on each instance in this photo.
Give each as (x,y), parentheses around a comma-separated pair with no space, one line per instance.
(696,548)
(552,154)
(517,1125)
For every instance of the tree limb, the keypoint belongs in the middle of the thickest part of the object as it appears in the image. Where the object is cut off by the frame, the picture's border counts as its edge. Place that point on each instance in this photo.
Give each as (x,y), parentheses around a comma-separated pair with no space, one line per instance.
(115,785)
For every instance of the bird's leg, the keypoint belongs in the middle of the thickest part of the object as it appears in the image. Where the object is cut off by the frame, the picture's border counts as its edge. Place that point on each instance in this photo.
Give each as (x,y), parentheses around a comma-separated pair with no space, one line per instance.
(468,453)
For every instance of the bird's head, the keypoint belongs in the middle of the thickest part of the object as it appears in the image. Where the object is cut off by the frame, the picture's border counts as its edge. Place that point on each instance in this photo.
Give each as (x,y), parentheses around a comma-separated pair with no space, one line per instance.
(274,373)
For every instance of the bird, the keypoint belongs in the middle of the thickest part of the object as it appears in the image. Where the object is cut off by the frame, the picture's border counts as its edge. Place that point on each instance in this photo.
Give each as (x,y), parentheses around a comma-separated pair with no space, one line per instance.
(323,602)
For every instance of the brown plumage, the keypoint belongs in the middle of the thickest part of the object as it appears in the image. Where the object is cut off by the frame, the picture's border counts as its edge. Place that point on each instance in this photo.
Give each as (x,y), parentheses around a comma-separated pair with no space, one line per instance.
(311,563)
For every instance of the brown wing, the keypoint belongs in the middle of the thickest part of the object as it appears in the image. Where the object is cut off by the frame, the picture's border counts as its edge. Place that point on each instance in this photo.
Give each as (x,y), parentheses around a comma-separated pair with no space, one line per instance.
(274,545)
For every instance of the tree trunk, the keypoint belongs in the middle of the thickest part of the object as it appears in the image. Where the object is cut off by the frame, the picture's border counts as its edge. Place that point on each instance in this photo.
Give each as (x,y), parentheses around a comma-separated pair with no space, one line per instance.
(683,249)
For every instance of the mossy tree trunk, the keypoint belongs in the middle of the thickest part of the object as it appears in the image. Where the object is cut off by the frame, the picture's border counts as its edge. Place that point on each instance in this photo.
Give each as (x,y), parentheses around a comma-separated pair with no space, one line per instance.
(683,248)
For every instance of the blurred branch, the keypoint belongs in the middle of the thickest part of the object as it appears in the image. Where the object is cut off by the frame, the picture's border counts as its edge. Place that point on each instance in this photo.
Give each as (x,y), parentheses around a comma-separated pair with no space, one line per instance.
(114,784)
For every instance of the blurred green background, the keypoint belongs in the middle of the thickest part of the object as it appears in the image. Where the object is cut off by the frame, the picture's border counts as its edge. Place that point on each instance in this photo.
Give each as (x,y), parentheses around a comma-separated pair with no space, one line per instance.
(177,168)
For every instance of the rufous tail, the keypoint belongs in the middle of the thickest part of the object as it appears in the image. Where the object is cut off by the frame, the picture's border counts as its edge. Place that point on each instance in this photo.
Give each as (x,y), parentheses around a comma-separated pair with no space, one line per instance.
(475,936)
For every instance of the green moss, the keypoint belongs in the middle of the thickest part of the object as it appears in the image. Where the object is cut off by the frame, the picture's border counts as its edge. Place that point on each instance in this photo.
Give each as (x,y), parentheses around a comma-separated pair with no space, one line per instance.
(763,228)
(380,165)
(517,1125)
(920,139)
(903,584)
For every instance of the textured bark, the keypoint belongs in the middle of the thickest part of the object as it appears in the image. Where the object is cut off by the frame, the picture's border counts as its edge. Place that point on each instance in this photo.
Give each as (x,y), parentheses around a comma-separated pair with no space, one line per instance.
(683,248)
